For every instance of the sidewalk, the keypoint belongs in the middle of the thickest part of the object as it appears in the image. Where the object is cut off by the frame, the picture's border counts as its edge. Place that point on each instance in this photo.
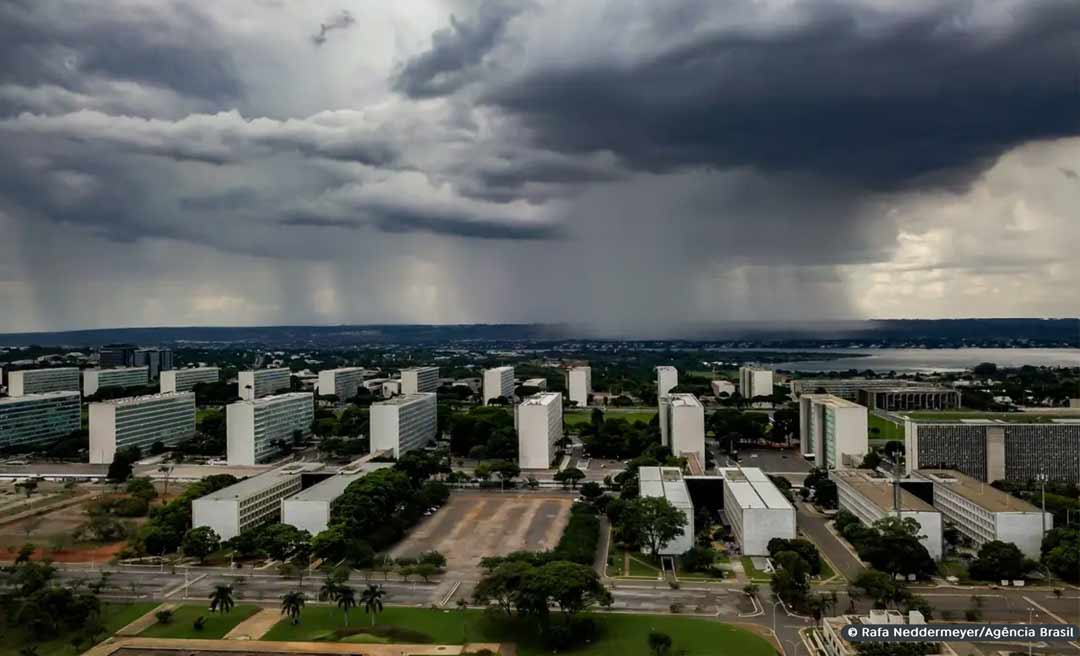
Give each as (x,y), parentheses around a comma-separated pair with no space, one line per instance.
(255,626)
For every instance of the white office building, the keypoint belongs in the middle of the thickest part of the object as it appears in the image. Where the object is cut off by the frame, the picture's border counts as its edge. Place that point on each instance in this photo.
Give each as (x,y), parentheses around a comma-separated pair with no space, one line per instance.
(830,640)
(682,426)
(667,379)
(342,382)
(536,383)
(668,483)
(39,381)
(155,360)
(185,380)
(140,421)
(419,380)
(390,388)
(836,429)
(258,383)
(539,427)
(756,509)
(38,419)
(245,505)
(97,379)
(309,510)
(404,423)
(722,387)
(984,513)
(498,382)
(256,428)
(579,384)
(871,496)
(754,381)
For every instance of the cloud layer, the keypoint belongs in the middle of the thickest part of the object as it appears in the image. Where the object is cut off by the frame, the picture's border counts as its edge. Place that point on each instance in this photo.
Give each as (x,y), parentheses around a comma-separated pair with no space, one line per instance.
(633,165)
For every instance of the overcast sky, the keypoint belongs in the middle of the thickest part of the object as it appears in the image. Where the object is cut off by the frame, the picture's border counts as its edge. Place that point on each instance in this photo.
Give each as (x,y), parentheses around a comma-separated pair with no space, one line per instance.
(633,165)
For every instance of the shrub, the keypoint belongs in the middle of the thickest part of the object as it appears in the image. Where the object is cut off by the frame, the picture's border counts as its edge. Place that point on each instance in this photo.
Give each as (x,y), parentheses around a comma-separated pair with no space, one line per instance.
(164,616)
(199,623)
(579,539)
(131,507)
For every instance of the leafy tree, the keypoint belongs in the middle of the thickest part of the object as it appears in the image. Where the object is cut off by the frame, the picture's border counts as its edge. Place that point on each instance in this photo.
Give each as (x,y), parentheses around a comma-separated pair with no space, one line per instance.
(998,560)
(882,588)
(806,550)
(591,490)
(200,542)
(569,477)
(1061,553)
(659,643)
(372,600)
(221,599)
(872,460)
(502,584)
(141,488)
(655,521)
(573,587)
(292,603)
(698,559)
(345,597)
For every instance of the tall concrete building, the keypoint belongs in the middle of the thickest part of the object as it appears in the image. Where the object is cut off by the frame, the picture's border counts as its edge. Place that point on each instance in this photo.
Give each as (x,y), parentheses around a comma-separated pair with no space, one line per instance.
(419,380)
(258,383)
(404,423)
(39,381)
(579,384)
(667,379)
(185,380)
(256,428)
(667,483)
(871,496)
(309,510)
(900,399)
(984,513)
(754,382)
(835,428)
(36,420)
(342,382)
(245,505)
(722,387)
(991,450)
(117,355)
(498,382)
(140,421)
(682,426)
(540,427)
(756,509)
(155,360)
(98,379)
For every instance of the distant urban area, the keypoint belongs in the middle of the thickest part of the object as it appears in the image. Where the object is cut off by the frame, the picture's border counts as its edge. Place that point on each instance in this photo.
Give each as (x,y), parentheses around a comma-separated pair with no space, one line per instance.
(282,487)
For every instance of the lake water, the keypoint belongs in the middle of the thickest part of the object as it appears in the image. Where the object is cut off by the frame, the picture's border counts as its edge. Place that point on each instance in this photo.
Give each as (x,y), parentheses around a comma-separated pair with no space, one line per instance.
(936,359)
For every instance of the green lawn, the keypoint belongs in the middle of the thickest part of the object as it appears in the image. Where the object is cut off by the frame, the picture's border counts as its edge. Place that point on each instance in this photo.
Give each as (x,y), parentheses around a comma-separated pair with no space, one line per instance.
(576,417)
(217,624)
(620,634)
(114,616)
(826,571)
(753,573)
(887,430)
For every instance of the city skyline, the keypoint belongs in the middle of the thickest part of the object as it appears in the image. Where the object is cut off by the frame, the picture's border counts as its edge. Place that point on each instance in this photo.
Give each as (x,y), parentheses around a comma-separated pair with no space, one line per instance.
(623,165)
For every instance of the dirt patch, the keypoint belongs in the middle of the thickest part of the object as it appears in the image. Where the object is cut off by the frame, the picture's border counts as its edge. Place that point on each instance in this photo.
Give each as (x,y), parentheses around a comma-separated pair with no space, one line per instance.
(474,525)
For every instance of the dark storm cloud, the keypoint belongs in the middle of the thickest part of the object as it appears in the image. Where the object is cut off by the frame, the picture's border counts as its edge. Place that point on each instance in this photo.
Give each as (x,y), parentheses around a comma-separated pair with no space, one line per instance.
(452,223)
(340,22)
(878,97)
(456,51)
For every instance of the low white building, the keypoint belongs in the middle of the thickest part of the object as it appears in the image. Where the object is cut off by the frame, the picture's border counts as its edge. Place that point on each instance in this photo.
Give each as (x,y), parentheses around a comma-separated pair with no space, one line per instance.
(830,640)
(756,509)
(835,428)
(668,483)
(667,379)
(984,513)
(39,381)
(258,383)
(538,383)
(579,385)
(96,379)
(682,425)
(140,421)
(498,382)
(754,382)
(342,382)
(309,510)
(255,429)
(722,387)
(539,420)
(404,423)
(871,496)
(38,419)
(419,380)
(245,505)
(185,380)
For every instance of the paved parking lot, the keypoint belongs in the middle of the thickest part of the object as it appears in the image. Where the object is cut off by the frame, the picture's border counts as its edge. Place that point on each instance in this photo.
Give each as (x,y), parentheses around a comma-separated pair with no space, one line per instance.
(477,524)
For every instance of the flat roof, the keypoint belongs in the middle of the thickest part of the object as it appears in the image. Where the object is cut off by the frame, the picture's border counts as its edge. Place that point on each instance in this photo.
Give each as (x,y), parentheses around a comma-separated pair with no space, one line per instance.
(273,398)
(136,400)
(664,482)
(405,399)
(249,486)
(40,396)
(918,389)
(419,369)
(342,370)
(962,417)
(753,489)
(502,368)
(835,401)
(116,369)
(666,367)
(878,490)
(327,490)
(684,399)
(20,372)
(542,398)
(984,495)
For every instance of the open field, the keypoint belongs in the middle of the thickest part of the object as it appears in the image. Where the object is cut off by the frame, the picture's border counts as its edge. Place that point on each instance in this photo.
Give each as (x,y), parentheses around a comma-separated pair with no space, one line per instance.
(575,417)
(619,634)
(114,617)
(182,624)
(477,524)
(887,430)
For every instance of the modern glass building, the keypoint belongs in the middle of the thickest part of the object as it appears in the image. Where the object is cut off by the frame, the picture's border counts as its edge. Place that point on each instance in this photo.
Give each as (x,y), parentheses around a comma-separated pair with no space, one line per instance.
(140,421)
(257,428)
(35,420)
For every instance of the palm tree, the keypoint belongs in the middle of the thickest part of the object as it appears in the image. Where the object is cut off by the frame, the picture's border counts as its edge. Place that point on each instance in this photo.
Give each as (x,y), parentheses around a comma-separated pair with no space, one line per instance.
(165,469)
(221,599)
(372,598)
(291,604)
(346,599)
(329,589)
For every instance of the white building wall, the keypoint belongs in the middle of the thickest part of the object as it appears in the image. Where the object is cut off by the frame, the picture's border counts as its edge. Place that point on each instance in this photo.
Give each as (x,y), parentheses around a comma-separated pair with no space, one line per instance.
(688,428)
(185,380)
(311,515)
(849,436)
(252,427)
(667,379)
(419,380)
(263,382)
(95,379)
(40,381)
(240,434)
(580,385)
(1024,529)
(763,524)
(404,424)
(140,421)
(498,382)
(221,515)
(342,382)
(539,424)
(722,386)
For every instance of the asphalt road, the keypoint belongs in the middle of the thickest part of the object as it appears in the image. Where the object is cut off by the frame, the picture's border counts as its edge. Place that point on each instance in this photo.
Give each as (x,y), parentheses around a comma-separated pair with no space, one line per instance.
(814,526)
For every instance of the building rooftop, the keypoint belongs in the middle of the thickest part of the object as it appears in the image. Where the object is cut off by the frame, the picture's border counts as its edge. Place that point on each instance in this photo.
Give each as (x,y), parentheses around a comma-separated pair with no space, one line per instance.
(249,486)
(918,389)
(276,398)
(116,369)
(327,490)
(984,495)
(137,400)
(666,367)
(835,401)
(684,400)
(41,396)
(19,372)
(753,489)
(419,369)
(664,482)
(542,398)
(878,489)
(343,370)
(406,399)
(505,367)
(976,417)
